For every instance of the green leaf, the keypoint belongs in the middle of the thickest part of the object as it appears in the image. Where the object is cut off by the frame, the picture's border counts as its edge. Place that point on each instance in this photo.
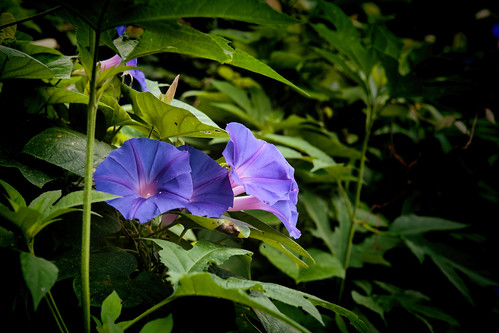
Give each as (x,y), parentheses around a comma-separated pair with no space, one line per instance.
(9,32)
(23,217)
(39,275)
(386,42)
(182,39)
(19,65)
(181,262)
(163,325)
(114,114)
(238,95)
(272,237)
(410,300)
(299,144)
(224,224)
(44,201)
(112,269)
(15,198)
(6,237)
(61,66)
(151,14)
(111,308)
(369,303)
(67,202)
(66,149)
(250,293)
(450,261)
(317,209)
(175,119)
(325,266)
(34,176)
(413,224)
(372,250)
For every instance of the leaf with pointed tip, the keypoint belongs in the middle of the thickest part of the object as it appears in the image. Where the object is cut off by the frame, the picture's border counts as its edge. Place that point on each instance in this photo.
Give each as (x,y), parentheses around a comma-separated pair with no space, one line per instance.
(274,238)
(39,274)
(175,119)
(19,65)
(325,266)
(175,38)
(413,224)
(256,294)
(150,14)
(66,149)
(181,262)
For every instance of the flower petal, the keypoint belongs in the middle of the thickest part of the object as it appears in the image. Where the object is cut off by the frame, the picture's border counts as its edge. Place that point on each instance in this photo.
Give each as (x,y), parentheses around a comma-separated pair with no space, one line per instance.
(121,29)
(142,165)
(257,165)
(285,210)
(111,62)
(212,193)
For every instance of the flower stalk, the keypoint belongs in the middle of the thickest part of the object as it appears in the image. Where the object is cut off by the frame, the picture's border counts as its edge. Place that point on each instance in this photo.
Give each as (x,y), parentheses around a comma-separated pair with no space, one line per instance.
(353,212)
(87,189)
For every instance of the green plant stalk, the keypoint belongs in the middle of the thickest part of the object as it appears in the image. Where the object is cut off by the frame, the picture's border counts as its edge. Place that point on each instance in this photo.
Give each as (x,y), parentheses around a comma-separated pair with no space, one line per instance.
(55,312)
(87,189)
(153,308)
(353,216)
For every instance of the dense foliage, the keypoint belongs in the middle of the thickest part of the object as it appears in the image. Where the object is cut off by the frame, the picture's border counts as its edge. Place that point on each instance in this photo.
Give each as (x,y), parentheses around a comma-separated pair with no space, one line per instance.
(291,165)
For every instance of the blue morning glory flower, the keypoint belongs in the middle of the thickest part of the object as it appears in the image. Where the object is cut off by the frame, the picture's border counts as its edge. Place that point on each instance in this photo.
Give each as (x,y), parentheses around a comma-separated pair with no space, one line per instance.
(260,170)
(116,60)
(212,192)
(151,177)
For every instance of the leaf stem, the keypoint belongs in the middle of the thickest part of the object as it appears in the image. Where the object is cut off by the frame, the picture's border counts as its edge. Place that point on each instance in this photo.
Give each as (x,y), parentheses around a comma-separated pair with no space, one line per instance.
(49,11)
(55,312)
(147,312)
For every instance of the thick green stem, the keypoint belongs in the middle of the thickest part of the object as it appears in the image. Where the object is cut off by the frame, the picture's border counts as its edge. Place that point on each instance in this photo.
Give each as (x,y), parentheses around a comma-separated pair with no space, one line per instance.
(87,190)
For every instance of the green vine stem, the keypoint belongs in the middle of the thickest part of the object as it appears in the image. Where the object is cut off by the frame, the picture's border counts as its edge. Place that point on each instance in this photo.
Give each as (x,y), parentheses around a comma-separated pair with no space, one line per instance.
(353,215)
(87,189)
(155,307)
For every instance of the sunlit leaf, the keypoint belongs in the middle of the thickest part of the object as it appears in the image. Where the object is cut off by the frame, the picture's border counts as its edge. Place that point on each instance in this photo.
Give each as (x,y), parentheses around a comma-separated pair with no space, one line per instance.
(164,325)
(111,308)
(181,262)
(174,119)
(182,39)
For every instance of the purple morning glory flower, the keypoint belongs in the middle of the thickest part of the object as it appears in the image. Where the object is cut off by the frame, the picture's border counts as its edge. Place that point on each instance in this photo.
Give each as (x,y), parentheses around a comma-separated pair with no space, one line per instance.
(116,60)
(212,192)
(151,177)
(260,170)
